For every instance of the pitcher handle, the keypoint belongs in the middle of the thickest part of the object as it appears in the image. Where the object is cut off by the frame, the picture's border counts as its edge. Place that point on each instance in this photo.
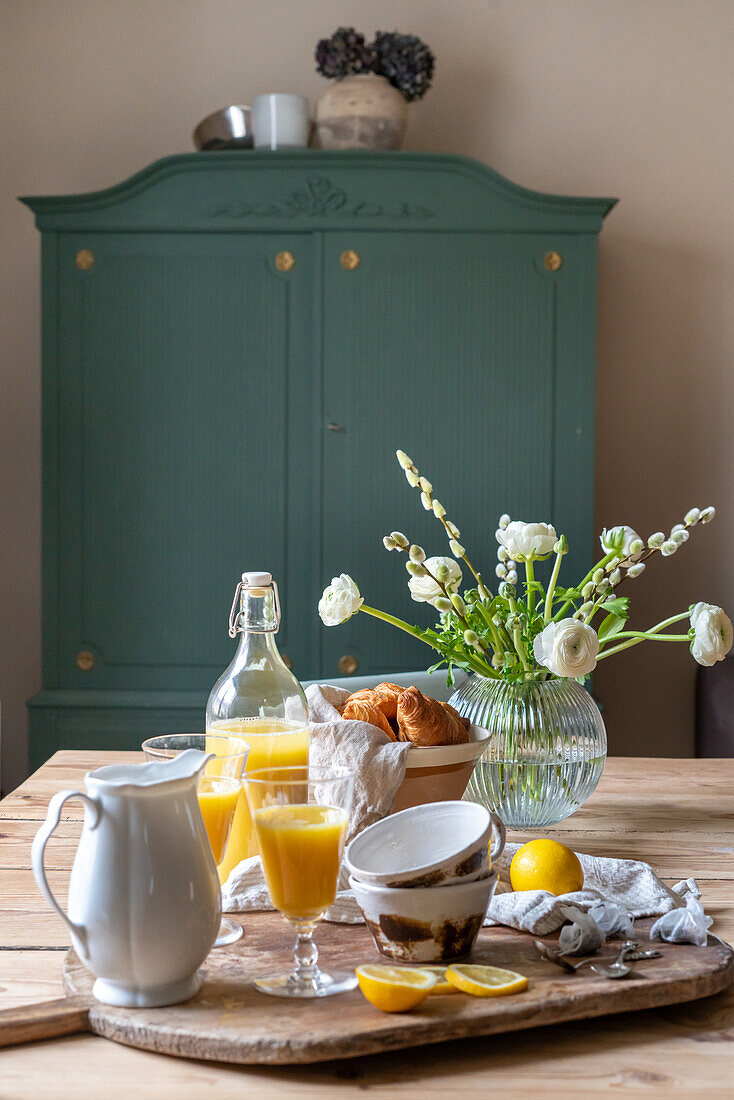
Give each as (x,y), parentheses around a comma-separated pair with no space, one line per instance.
(499,846)
(92,815)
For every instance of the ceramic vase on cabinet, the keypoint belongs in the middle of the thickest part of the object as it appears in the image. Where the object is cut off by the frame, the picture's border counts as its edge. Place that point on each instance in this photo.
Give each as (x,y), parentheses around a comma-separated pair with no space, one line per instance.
(363,111)
(546,752)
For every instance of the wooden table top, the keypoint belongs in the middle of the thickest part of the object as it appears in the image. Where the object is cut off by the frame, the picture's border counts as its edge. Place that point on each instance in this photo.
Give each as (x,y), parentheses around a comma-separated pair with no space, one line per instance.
(676,814)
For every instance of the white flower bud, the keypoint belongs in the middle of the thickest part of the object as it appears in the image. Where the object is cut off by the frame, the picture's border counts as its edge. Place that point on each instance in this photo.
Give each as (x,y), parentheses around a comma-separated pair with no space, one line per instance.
(504,522)
(438,510)
(587,590)
(677,527)
(456,548)
(679,537)
(585,608)
(692,517)
(415,568)
(507,591)
(426,501)
(635,570)
(498,536)
(413,478)
(511,564)
(656,541)
(426,485)
(403,459)
(512,577)
(497,661)
(442,571)
(471,637)
(501,571)
(598,576)
(453,529)
(602,586)
(458,603)
(578,615)
(708,514)
(637,546)
(615,578)
(417,553)
(442,604)
(503,553)
(388,543)
(612,565)
(399,539)
(669,547)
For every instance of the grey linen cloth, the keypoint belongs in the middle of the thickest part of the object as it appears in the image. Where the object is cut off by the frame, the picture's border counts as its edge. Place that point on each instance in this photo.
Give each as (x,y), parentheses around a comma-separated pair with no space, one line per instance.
(379,769)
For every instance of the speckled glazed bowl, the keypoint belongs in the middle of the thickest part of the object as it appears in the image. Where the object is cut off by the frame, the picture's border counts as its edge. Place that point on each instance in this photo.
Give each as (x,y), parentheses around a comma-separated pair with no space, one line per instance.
(427,924)
(431,845)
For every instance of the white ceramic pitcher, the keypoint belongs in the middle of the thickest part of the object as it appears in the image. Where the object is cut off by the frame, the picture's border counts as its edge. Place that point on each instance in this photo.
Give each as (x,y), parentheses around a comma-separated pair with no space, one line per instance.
(144,895)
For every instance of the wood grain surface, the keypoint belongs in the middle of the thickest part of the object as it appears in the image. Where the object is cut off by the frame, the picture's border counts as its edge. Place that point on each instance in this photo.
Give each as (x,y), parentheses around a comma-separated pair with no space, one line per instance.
(230,1021)
(678,814)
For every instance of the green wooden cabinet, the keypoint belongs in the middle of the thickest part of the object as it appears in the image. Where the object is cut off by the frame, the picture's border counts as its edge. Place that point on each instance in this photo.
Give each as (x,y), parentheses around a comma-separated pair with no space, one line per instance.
(234,345)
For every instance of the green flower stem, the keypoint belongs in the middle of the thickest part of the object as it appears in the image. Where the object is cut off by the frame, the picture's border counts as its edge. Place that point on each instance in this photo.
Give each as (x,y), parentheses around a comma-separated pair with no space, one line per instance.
(530,577)
(569,603)
(476,663)
(551,588)
(654,635)
(496,639)
(517,636)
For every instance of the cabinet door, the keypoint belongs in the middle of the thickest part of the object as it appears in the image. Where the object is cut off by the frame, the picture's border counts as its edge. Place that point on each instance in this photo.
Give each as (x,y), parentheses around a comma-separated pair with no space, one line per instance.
(182,436)
(464,351)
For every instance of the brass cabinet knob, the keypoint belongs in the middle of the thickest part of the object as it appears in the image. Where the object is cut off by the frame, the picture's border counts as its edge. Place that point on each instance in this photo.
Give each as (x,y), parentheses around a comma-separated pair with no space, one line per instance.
(84,259)
(284,261)
(553,260)
(348,664)
(85,660)
(350,259)
(286,660)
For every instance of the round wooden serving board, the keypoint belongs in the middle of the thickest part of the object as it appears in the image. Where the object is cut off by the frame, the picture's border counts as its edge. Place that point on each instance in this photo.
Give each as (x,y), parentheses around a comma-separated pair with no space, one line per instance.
(230,1021)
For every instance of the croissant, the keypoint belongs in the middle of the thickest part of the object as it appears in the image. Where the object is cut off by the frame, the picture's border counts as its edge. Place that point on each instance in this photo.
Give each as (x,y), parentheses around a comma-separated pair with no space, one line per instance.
(455,714)
(364,695)
(424,721)
(360,711)
(386,698)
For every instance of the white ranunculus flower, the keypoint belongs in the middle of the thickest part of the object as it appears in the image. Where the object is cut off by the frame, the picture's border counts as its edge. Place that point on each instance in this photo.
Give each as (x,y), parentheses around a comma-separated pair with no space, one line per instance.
(713,633)
(619,540)
(567,648)
(527,541)
(340,601)
(425,590)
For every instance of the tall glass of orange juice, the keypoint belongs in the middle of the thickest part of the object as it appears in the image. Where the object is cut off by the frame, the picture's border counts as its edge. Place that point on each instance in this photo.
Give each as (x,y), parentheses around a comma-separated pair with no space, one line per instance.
(299,818)
(274,742)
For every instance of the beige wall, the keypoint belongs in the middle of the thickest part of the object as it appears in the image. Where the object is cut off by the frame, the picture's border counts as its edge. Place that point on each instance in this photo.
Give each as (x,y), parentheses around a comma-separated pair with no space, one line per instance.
(633,98)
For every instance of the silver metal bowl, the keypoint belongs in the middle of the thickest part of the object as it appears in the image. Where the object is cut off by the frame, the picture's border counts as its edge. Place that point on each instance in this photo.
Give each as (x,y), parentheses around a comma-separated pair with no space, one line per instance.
(230,128)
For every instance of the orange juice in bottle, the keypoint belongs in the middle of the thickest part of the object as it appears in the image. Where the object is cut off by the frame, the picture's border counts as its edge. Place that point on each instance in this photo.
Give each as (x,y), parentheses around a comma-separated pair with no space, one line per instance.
(259,699)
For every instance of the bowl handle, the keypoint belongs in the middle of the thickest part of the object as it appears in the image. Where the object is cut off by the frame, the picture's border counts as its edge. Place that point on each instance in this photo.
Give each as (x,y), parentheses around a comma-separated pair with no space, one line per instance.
(499,845)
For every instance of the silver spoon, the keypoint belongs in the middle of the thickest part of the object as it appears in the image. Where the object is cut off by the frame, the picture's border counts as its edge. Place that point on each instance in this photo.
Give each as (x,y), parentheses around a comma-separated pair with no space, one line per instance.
(616,969)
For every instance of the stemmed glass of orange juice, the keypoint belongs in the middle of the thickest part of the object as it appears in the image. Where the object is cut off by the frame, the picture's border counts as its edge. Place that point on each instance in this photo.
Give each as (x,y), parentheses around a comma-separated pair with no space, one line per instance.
(219,793)
(300,816)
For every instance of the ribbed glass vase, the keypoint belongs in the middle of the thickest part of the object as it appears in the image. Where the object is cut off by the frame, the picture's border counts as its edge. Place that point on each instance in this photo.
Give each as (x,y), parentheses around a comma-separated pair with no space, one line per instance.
(547,748)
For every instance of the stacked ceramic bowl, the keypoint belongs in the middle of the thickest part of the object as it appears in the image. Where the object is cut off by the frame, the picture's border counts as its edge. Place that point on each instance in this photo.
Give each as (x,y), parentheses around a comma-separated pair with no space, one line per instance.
(423,879)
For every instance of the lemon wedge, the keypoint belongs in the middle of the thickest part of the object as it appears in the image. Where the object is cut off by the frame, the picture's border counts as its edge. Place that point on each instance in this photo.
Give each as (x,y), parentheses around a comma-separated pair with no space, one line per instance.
(442,984)
(394,988)
(485,981)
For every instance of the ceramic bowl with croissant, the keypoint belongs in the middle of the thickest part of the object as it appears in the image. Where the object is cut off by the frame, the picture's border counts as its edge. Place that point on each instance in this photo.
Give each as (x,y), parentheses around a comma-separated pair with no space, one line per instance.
(444,746)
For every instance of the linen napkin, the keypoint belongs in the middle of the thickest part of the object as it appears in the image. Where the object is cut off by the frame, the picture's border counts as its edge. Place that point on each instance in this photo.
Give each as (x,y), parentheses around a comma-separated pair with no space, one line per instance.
(379,769)
(629,883)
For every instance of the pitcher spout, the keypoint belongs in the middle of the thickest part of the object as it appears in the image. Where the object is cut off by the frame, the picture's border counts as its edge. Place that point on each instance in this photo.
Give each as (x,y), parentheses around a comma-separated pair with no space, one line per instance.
(185,766)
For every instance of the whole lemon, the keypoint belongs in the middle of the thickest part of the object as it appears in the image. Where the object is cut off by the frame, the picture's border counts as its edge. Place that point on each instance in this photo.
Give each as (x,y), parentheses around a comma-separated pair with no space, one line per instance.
(546,865)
